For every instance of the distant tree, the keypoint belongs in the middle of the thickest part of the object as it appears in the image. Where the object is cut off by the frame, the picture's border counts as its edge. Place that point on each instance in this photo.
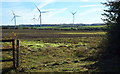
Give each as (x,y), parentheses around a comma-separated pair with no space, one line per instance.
(110,59)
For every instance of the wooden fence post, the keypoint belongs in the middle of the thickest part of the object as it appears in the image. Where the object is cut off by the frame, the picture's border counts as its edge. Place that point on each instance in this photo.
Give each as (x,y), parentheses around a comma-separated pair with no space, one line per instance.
(17,56)
(13,46)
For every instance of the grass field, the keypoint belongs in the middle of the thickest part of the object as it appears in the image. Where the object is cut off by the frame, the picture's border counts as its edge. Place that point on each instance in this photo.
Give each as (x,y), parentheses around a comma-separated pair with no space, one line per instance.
(63,27)
(54,51)
(36,34)
(69,27)
(98,26)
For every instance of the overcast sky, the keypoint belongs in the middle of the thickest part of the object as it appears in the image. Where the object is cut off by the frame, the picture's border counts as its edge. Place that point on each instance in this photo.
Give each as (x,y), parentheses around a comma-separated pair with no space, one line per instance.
(88,11)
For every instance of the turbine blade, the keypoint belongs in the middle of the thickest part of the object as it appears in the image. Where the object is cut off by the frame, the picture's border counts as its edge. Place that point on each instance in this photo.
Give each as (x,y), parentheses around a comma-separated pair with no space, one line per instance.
(13,12)
(17,16)
(37,8)
(13,18)
(44,11)
(34,19)
(75,12)
(72,13)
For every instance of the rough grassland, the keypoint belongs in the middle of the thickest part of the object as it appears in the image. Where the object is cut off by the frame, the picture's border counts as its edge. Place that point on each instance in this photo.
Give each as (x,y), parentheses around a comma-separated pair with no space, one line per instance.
(62,54)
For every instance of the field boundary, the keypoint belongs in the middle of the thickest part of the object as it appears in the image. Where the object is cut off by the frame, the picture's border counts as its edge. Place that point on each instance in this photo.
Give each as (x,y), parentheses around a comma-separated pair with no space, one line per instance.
(15,52)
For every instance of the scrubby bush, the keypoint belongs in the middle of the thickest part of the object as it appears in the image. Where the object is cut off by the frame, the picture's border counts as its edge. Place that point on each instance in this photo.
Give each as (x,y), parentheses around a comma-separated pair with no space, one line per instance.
(110,59)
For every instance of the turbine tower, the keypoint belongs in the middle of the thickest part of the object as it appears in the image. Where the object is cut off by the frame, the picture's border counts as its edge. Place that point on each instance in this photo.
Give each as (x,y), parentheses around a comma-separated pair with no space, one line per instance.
(73,13)
(40,14)
(14,17)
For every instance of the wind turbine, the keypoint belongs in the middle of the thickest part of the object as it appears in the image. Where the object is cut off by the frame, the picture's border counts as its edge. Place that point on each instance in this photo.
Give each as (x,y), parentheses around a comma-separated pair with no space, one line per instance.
(73,13)
(34,19)
(14,17)
(40,14)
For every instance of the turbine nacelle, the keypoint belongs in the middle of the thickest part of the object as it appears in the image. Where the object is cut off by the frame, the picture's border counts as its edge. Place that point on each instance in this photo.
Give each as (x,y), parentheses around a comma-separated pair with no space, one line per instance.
(73,13)
(34,19)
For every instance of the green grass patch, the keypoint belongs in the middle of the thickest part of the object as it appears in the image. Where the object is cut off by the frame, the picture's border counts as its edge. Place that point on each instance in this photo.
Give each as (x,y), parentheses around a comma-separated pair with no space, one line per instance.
(84,33)
(70,27)
(99,26)
(56,54)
